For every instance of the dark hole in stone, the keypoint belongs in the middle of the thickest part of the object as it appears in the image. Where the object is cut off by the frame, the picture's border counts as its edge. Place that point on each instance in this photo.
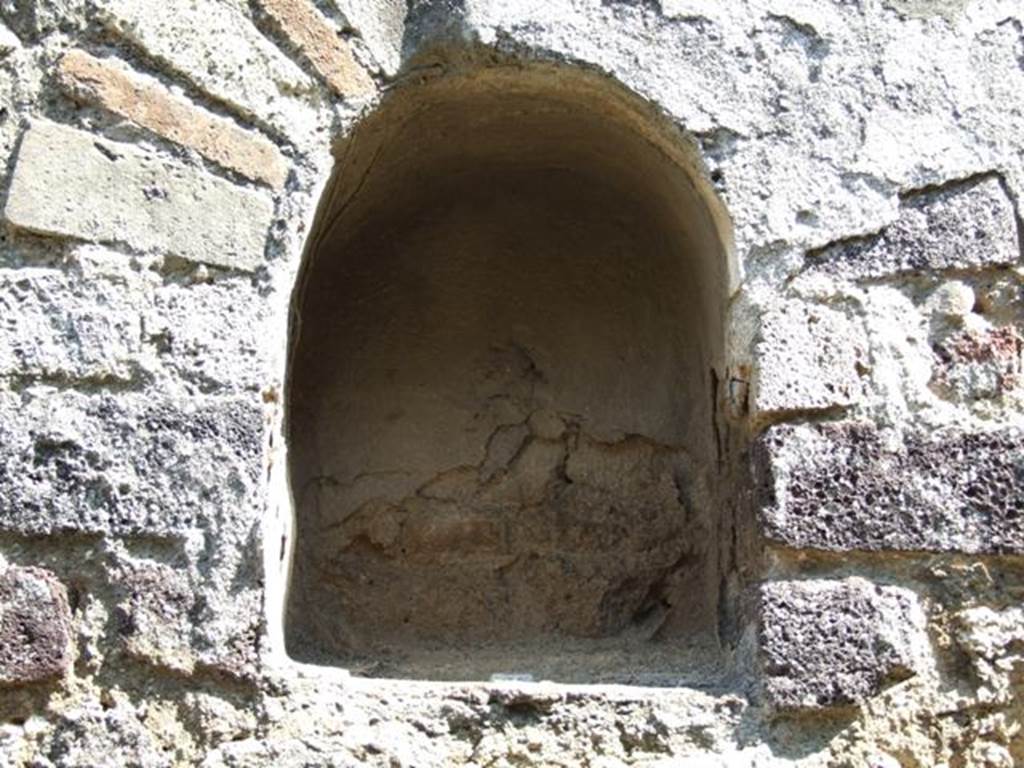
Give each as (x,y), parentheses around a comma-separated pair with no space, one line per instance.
(501,433)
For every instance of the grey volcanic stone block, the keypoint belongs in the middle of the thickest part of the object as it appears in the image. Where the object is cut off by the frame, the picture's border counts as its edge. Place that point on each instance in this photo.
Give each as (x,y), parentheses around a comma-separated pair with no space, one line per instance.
(212,336)
(72,183)
(153,614)
(806,359)
(204,617)
(848,486)
(35,626)
(57,325)
(958,226)
(126,463)
(834,643)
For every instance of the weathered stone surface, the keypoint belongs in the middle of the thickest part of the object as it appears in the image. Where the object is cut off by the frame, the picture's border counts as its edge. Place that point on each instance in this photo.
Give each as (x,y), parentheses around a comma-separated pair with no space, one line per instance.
(230,60)
(55,325)
(814,119)
(318,41)
(992,640)
(32,21)
(113,86)
(69,182)
(212,336)
(538,724)
(170,618)
(978,364)
(69,327)
(958,226)
(107,734)
(846,486)
(153,615)
(230,625)
(833,643)
(126,463)
(35,626)
(381,24)
(8,40)
(806,359)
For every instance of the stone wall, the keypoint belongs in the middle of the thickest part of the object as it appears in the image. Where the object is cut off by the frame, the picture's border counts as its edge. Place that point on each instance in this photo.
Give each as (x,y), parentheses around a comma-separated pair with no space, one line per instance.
(163,165)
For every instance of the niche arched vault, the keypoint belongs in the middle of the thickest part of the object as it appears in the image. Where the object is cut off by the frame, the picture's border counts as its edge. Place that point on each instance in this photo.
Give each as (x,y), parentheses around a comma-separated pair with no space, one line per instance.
(500,405)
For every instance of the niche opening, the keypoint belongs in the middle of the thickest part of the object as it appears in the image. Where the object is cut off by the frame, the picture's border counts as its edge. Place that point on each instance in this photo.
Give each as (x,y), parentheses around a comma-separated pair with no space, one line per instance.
(502,449)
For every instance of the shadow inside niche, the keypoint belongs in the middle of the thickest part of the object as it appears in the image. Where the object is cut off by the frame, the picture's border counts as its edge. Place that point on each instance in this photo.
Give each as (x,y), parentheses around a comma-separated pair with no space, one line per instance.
(502,443)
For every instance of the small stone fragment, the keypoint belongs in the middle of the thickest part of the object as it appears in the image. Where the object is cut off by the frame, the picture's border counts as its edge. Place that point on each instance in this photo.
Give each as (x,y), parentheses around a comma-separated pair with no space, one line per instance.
(834,643)
(546,424)
(317,40)
(954,300)
(991,640)
(35,626)
(978,364)
(114,87)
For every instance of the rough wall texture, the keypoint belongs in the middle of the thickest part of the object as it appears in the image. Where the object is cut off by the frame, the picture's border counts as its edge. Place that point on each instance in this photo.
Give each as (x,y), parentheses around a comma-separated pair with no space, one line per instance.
(162,166)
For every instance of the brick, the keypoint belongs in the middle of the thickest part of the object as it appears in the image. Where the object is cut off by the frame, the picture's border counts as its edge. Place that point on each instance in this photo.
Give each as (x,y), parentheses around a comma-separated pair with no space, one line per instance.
(849,486)
(317,40)
(836,643)
(128,463)
(230,60)
(35,627)
(72,183)
(125,93)
(806,359)
(969,224)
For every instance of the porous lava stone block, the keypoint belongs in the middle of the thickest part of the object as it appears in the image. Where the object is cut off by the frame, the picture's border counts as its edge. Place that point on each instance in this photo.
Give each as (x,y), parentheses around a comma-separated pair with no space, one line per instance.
(127,463)
(964,225)
(835,643)
(35,627)
(850,486)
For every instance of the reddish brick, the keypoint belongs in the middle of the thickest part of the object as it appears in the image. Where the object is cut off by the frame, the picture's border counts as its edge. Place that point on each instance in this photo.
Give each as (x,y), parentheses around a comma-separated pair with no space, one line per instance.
(317,40)
(117,89)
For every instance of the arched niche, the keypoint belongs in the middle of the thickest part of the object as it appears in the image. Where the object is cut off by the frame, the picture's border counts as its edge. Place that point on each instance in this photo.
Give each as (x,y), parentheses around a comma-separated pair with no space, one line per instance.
(500,403)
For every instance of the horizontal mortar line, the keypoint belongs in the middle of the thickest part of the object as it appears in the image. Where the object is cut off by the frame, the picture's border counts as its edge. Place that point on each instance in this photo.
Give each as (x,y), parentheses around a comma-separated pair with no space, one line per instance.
(818,557)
